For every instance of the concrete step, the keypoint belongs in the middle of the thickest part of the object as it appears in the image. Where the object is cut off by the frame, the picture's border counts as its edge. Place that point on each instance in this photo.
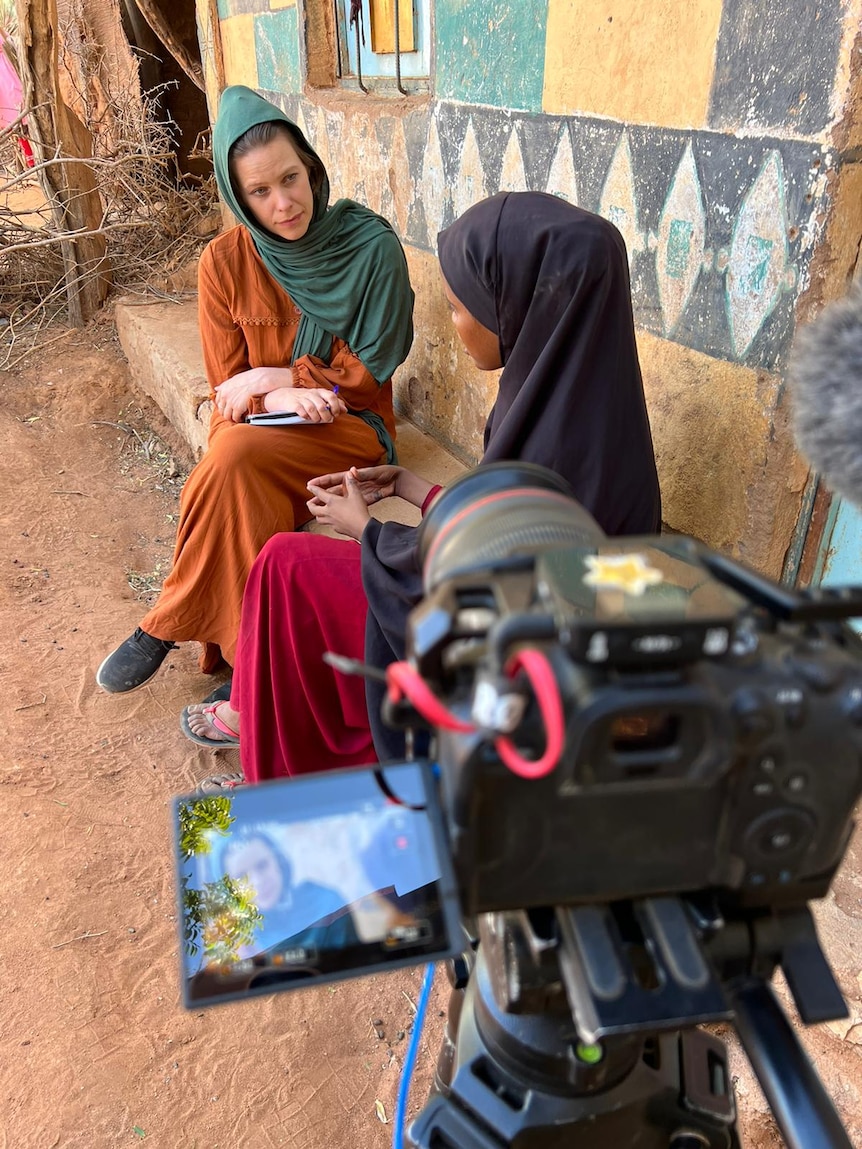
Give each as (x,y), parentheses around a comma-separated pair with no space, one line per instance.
(162,345)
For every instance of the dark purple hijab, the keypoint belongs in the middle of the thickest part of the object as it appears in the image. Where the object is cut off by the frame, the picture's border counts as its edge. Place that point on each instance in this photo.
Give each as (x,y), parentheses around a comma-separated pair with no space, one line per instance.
(552,282)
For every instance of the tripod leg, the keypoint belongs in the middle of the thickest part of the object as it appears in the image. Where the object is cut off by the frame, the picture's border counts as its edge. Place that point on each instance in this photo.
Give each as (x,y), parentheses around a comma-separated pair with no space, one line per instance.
(796,1095)
(446,1056)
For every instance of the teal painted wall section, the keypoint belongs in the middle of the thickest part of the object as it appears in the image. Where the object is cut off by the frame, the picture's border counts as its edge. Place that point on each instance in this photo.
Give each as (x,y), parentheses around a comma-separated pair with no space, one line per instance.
(477,41)
(276,45)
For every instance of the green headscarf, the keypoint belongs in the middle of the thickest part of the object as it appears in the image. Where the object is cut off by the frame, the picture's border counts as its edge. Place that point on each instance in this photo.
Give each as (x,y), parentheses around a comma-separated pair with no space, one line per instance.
(347,274)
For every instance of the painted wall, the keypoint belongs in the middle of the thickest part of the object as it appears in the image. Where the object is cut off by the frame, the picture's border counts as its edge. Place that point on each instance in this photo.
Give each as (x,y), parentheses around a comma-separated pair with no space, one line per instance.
(717,136)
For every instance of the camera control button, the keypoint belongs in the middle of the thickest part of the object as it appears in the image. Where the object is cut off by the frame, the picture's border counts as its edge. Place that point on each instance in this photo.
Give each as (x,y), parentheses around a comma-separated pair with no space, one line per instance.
(779,833)
(820,676)
(796,783)
(792,701)
(768,763)
(852,705)
(763,788)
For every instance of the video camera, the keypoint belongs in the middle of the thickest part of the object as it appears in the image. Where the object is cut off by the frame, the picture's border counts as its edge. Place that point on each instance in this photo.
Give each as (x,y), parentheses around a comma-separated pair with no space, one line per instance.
(693,724)
(646,762)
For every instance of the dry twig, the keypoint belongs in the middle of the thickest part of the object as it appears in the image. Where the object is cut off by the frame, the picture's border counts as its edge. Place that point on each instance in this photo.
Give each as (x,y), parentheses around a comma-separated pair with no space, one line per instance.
(79,938)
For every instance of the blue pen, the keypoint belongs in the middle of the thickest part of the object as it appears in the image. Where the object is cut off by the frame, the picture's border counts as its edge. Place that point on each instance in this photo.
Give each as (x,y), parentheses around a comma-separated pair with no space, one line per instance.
(334,392)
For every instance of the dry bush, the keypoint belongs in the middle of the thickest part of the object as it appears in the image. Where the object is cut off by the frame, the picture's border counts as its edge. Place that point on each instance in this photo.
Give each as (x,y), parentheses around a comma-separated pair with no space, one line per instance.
(155,219)
(30,269)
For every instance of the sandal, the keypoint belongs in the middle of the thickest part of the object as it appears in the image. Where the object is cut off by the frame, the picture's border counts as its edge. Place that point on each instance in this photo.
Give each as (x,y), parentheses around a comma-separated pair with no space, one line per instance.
(219,784)
(228,740)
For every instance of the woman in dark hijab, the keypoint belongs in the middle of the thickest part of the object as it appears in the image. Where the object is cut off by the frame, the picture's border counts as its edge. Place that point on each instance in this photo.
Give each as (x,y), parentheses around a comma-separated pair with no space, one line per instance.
(541,289)
(551,281)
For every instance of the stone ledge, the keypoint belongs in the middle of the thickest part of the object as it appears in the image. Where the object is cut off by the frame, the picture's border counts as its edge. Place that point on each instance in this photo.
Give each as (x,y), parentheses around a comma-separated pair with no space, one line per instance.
(162,345)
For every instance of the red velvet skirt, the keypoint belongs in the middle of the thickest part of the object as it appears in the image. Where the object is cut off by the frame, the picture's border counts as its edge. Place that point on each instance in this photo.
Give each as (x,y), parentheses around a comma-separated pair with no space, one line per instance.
(298,715)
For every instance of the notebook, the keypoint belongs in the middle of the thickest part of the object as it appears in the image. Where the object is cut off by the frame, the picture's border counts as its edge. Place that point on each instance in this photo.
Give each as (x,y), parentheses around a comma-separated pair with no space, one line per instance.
(277,419)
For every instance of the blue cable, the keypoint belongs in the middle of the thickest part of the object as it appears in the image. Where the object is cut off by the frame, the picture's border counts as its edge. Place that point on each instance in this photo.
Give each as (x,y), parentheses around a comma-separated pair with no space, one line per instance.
(409,1060)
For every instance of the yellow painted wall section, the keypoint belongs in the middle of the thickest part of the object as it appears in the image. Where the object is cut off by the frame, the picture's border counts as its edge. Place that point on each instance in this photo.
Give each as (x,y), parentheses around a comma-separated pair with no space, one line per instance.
(647,63)
(282,4)
(726,472)
(240,62)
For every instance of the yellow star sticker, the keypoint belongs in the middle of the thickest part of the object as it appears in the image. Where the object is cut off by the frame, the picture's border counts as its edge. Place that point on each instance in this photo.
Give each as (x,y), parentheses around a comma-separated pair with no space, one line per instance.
(630,573)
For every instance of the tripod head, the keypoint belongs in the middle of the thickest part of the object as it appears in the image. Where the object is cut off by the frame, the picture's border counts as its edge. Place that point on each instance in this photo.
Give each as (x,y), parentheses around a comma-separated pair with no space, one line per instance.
(583,1035)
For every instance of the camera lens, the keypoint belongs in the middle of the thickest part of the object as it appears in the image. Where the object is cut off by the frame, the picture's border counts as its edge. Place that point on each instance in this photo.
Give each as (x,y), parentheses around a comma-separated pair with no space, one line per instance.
(496,512)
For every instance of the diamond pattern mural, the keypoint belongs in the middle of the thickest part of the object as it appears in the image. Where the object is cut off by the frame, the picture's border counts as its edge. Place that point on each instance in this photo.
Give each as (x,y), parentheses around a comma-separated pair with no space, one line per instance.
(681,241)
(618,202)
(718,227)
(758,264)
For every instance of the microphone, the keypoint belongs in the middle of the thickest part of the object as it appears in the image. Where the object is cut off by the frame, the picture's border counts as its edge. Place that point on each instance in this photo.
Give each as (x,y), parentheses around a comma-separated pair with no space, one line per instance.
(825,377)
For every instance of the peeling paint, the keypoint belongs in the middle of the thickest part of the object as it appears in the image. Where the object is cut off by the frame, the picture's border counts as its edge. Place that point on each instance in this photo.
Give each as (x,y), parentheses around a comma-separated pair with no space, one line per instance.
(512,174)
(562,178)
(434,185)
(477,42)
(470,186)
(238,44)
(758,264)
(619,201)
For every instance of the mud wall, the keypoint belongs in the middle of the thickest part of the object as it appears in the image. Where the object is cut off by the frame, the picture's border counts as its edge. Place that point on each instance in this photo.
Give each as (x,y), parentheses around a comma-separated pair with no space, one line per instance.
(720,137)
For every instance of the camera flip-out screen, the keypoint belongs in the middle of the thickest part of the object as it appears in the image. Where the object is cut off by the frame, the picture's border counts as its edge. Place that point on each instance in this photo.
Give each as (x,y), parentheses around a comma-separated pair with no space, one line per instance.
(312,879)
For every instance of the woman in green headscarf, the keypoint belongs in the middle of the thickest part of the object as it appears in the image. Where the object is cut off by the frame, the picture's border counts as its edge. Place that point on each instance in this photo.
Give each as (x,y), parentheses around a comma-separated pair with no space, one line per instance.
(303,307)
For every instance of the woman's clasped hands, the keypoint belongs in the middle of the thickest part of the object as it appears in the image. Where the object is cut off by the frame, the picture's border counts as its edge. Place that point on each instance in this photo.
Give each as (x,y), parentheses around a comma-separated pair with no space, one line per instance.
(341,500)
(316,404)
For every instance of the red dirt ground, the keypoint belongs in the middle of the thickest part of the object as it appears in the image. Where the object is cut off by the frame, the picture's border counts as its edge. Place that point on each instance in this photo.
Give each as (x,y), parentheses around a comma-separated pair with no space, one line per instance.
(96,1049)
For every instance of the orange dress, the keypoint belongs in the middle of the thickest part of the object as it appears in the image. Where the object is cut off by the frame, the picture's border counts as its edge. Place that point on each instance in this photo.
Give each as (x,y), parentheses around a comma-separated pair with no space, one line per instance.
(251,482)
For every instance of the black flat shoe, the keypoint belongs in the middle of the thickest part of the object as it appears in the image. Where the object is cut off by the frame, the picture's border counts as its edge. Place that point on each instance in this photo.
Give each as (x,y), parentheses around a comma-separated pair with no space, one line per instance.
(220,694)
(133,663)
